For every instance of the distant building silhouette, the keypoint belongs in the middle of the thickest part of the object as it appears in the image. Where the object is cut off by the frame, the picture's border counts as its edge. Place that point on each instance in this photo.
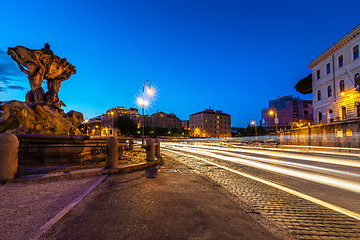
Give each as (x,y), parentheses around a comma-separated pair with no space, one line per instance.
(164,120)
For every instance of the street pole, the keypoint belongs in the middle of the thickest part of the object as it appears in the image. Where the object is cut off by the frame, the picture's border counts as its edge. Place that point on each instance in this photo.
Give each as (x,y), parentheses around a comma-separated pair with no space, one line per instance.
(147,84)
(112,124)
(276,121)
(143,113)
(255,132)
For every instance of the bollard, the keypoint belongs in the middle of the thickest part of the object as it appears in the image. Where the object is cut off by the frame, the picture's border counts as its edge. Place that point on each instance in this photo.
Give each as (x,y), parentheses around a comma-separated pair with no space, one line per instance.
(131,144)
(150,149)
(150,172)
(112,153)
(8,156)
(157,148)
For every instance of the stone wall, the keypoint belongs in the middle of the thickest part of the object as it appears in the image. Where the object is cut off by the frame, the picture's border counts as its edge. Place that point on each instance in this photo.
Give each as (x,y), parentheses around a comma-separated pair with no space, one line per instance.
(344,134)
(38,149)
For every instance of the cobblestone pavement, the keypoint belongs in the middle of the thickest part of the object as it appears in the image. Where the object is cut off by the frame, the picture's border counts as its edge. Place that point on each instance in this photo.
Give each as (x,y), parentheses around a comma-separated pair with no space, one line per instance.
(303,219)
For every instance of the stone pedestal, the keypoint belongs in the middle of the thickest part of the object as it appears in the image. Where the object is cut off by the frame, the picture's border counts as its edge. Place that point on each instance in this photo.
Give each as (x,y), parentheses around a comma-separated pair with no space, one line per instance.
(8,156)
(112,154)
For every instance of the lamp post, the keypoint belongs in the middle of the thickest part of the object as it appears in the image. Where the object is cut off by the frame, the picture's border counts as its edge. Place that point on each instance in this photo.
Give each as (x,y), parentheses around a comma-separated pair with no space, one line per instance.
(274,112)
(253,123)
(147,84)
(112,123)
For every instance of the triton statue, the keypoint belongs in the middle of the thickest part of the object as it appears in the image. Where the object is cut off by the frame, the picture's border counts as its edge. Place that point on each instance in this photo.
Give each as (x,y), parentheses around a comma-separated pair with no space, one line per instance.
(41,112)
(39,65)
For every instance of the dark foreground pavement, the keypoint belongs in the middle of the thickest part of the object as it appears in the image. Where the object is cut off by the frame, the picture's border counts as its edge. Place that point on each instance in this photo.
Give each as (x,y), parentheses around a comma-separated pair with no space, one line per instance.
(178,204)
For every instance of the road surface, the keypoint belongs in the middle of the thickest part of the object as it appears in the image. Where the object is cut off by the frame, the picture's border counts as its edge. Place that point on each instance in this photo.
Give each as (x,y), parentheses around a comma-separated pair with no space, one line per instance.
(311,195)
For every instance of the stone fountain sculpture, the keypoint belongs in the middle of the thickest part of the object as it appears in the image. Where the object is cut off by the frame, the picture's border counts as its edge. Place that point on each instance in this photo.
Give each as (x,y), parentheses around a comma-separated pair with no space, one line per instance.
(41,112)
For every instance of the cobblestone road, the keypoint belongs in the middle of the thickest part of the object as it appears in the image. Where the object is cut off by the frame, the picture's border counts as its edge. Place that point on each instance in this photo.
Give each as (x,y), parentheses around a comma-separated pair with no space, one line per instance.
(303,219)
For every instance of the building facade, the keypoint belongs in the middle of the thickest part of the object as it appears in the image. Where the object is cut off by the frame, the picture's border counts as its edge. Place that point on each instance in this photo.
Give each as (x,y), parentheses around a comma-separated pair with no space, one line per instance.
(336,80)
(210,124)
(290,112)
(103,125)
(185,124)
(164,120)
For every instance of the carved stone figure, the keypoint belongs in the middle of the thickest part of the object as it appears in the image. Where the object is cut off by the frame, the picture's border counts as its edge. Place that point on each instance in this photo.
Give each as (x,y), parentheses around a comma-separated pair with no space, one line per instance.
(39,65)
(41,112)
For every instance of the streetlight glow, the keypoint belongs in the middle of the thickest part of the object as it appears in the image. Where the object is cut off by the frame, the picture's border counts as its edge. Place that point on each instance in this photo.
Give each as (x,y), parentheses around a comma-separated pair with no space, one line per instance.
(142,102)
(150,91)
(274,112)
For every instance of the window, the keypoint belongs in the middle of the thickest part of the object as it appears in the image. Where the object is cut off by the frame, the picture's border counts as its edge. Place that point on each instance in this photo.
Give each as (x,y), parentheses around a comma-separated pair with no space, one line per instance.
(306,112)
(357,79)
(305,106)
(318,74)
(356,52)
(343,113)
(331,116)
(320,117)
(328,68)
(341,61)
(319,95)
(342,86)
(357,110)
(329,91)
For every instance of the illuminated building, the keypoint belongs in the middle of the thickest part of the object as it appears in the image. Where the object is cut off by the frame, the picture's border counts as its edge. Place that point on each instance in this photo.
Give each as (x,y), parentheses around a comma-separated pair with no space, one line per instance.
(336,80)
(290,111)
(104,124)
(210,123)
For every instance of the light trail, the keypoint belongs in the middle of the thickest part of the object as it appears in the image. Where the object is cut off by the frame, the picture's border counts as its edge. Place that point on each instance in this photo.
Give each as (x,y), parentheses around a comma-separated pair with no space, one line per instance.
(337,161)
(285,189)
(302,149)
(330,181)
(287,163)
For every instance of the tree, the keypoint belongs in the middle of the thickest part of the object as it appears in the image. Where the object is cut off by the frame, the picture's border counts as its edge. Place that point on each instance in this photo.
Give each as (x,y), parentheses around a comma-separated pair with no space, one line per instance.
(125,125)
(304,86)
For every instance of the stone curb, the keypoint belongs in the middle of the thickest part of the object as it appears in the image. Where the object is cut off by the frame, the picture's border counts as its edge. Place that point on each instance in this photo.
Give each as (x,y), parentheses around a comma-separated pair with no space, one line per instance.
(103,171)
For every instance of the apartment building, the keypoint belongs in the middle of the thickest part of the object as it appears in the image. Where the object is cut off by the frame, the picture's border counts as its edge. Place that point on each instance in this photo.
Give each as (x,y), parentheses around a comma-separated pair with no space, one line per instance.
(336,80)
(289,111)
(164,120)
(210,123)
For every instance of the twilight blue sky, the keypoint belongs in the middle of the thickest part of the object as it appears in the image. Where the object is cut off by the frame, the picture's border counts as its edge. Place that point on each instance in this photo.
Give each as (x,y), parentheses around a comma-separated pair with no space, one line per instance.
(229,55)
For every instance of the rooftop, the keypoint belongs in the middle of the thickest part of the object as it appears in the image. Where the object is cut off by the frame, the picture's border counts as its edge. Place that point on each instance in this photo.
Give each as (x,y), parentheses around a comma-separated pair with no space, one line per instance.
(211,111)
(347,37)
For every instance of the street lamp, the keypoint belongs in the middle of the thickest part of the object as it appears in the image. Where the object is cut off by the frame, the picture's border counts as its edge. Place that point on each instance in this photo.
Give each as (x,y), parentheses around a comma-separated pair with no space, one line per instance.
(253,123)
(149,91)
(112,122)
(274,112)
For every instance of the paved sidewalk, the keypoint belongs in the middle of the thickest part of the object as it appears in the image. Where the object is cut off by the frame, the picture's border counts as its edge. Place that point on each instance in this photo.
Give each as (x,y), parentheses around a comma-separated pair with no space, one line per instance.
(178,204)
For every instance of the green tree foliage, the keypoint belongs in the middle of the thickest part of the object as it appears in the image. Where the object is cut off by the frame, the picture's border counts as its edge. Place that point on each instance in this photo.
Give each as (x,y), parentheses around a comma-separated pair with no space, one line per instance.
(304,86)
(125,125)
(250,131)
